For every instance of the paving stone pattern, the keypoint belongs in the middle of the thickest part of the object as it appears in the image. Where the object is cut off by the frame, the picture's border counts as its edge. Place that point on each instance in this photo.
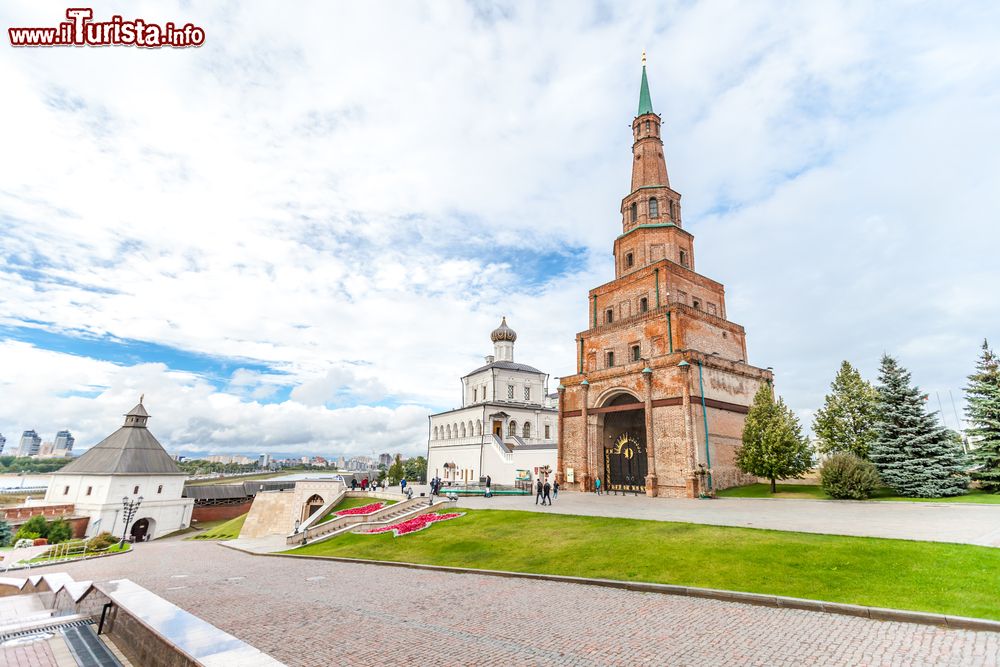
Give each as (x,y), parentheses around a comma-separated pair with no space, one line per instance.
(369,614)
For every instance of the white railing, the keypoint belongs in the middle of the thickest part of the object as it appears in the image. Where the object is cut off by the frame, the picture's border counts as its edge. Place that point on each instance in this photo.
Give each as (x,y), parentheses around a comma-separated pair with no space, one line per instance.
(502,449)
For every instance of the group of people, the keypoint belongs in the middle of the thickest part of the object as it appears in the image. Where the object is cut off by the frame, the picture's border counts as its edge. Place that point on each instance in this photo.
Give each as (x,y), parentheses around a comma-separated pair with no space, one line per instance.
(435,485)
(546,491)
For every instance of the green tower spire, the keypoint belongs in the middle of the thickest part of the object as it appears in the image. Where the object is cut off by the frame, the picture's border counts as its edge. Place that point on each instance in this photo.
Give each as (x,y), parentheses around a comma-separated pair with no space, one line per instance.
(645,104)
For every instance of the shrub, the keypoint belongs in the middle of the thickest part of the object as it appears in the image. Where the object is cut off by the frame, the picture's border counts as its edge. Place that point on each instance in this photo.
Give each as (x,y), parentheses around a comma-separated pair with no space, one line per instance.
(844,475)
(36,526)
(59,531)
(6,534)
(101,541)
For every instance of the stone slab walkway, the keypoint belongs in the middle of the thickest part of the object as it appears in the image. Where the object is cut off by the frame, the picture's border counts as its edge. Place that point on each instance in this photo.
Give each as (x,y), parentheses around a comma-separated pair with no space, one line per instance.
(935,522)
(291,608)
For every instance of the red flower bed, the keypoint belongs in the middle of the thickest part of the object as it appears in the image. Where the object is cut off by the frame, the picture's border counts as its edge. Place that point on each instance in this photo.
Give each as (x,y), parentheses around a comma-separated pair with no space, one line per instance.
(414,524)
(365,509)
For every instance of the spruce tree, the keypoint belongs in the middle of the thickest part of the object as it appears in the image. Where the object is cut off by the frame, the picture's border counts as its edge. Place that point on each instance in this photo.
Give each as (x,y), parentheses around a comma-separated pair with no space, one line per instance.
(846,422)
(982,409)
(773,445)
(6,534)
(914,454)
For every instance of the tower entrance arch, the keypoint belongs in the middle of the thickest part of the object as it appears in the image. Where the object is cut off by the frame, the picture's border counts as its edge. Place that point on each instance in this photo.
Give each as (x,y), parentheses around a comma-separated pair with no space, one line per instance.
(622,424)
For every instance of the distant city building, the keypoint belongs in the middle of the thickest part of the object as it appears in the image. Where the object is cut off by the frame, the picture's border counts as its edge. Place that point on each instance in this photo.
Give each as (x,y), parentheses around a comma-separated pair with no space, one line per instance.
(231,460)
(45,450)
(264,460)
(30,444)
(64,440)
(385,460)
(3,441)
(506,427)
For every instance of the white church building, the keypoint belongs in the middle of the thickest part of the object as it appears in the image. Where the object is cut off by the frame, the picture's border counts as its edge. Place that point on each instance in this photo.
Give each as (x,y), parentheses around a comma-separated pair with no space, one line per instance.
(506,428)
(129,463)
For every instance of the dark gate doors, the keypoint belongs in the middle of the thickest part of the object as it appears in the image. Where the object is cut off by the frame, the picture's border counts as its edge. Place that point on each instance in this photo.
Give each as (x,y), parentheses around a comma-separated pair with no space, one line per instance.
(139,530)
(625,464)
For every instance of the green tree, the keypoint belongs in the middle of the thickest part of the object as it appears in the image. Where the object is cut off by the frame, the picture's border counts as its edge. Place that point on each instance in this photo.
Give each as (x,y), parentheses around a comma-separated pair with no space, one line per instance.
(415,469)
(982,409)
(846,422)
(914,454)
(773,445)
(5,533)
(396,470)
(59,531)
(844,475)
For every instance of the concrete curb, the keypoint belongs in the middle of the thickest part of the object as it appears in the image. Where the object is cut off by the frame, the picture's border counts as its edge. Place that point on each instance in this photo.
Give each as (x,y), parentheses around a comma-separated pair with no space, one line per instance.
(763,600)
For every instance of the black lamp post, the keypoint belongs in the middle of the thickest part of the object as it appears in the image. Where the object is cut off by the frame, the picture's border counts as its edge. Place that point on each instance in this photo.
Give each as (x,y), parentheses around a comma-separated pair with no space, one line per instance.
(129,508)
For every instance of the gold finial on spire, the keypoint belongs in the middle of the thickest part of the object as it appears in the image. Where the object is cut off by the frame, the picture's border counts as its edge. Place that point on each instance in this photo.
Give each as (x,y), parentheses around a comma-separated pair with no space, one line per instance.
(644,57)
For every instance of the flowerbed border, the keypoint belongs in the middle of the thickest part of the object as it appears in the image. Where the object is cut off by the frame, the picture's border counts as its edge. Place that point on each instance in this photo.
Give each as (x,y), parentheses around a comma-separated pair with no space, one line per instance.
(381,530)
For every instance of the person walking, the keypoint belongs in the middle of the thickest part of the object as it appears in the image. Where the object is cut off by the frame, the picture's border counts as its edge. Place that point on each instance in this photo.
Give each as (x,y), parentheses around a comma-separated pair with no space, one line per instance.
(354,484)
(597,485)
(555,489)
(538,490)
(489,481)
(402,485)
(547,488)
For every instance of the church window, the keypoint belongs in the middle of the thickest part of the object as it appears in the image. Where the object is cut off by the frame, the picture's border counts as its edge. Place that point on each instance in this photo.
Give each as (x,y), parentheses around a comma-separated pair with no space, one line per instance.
(89,489)
(696,303)
(454,430)
(448,432)
(609,316)
(470,427)
(636,353)
(526,431)
(643,305)
(684,258)
(484,392)
(629,260)
(510,392)
(66,491)
(654,208)
(634,212)
(673,210)
(475,395)
(135,490)
(647,127)
(547,432)
(511,428)
(463,430)
(527,393)
(435,436)
(610,359)
(159,489)
(479,428)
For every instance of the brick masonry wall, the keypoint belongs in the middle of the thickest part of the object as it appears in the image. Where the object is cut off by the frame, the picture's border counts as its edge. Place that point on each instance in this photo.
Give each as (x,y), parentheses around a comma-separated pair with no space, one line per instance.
(219,512)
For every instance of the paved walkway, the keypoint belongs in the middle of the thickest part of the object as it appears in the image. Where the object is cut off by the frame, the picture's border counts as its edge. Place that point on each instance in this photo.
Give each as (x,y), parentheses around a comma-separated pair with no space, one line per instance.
(935,522)
(308,612)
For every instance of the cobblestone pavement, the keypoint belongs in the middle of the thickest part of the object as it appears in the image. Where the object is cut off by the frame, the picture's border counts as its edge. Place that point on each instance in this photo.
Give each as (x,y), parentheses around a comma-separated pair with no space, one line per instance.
(309,612)
(935,522)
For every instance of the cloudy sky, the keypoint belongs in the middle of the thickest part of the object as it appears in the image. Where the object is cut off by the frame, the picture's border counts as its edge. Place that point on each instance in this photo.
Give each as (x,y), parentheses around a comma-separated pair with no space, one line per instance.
(296,238)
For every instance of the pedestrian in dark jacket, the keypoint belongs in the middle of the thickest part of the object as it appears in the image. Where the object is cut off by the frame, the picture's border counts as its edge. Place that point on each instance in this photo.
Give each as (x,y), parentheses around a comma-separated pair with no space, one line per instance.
(546,489)
(538,490)
(555,490)
(489,481)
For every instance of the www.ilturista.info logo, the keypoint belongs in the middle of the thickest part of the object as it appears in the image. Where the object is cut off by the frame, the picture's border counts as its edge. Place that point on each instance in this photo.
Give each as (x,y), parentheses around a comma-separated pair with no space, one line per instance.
(80,30)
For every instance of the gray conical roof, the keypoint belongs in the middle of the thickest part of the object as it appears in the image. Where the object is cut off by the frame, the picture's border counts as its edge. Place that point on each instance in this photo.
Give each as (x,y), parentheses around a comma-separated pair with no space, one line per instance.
(131,450)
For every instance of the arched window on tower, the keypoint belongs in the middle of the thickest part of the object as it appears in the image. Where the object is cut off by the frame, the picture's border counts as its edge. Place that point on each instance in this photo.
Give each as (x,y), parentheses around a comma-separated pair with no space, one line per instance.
(454,430)
(654,208)
(435,432)
(647,127)
(511,429)
(479,428)
(447,430)
(470,428)
(526,432)
(673,210)
(634,212)
(463,430)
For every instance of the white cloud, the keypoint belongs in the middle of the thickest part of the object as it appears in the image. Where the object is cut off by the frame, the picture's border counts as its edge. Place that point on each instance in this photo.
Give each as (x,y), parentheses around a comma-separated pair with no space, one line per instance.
(341,193)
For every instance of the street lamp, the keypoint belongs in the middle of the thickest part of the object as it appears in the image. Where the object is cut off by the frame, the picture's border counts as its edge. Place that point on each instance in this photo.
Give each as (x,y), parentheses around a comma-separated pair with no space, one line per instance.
(129,508)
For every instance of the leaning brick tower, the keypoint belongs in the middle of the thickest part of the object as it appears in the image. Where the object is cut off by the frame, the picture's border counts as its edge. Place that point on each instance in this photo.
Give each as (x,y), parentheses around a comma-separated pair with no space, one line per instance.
(663,384)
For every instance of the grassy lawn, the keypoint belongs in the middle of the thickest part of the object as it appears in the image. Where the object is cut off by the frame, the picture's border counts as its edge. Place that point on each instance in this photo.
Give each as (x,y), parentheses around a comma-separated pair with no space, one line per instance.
(349,503)
(924,576)
(227,530)
(807,491)
(113,549)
